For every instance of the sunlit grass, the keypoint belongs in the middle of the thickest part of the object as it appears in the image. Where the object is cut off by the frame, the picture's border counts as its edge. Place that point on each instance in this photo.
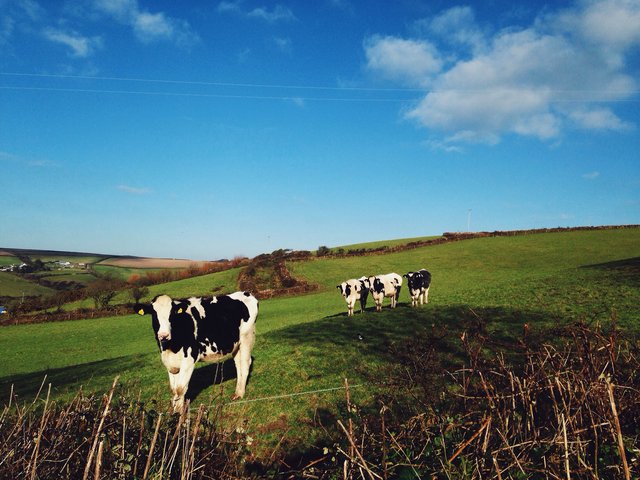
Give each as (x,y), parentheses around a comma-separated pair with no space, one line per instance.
(307,343)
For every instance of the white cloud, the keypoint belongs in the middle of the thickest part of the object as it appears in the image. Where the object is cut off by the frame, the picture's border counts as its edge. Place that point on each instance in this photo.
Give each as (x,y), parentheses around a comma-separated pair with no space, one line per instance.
(457,26)
(80,46)
(133,190)
(591,175)
(148,27)
(18,15)
(409,61)
(283,44)
(278,13)
(598,119)
(226,6)
(534,81)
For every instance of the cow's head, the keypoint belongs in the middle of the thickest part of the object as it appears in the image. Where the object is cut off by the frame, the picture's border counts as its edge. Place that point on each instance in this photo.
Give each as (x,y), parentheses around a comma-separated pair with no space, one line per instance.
(345,289)
(163,311)
(365,282)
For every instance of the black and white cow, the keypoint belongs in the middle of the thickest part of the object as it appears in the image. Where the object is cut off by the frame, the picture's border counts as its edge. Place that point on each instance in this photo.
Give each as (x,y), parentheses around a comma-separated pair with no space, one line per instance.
(387,285)
(419,283)
(353,290)
(203,328)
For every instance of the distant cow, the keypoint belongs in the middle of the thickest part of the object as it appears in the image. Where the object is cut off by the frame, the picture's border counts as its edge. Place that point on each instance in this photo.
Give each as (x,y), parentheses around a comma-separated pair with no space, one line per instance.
(353,290)
(419,283)
(387,285)
(207,328)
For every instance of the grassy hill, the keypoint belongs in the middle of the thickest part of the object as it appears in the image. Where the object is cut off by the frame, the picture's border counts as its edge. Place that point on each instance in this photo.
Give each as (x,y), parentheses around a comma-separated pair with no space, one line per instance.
(307,346)
(557,276)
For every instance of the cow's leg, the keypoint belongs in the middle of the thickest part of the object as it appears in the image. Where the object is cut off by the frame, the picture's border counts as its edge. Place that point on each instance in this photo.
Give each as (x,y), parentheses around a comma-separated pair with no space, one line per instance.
(173,381)
(426,295)
(182,383)
(242,359)
(363,301)
(350,305)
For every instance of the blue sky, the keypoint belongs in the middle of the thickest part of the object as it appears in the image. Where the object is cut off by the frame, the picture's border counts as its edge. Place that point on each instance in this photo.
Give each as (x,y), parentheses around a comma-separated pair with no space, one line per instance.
(210,129)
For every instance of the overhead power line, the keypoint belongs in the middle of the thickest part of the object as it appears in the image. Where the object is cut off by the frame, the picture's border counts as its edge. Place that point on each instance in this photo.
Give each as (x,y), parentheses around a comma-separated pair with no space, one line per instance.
(216,84)
(207,95)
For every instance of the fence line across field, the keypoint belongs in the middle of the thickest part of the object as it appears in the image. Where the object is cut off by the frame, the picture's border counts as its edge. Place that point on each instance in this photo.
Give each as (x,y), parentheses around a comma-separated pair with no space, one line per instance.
(297,394)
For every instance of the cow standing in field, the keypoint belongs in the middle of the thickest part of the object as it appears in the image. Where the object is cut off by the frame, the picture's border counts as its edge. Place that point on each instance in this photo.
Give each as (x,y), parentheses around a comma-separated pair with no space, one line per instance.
(419,283)
(353,290)
(387,285)
(203,328)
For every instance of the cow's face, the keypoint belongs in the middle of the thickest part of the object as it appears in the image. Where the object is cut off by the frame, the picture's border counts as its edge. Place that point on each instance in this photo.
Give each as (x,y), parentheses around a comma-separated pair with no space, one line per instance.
(163,310)
(345,289)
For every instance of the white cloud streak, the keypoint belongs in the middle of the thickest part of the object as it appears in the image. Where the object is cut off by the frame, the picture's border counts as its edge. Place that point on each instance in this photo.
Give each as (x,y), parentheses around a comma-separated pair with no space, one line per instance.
(556,74)
(80,45)
(133,190)
(148,27)
(591,175)
(276,14)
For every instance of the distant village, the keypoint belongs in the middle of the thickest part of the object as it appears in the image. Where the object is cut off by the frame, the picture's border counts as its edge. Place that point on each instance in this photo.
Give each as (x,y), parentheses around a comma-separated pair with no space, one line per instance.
(55,265)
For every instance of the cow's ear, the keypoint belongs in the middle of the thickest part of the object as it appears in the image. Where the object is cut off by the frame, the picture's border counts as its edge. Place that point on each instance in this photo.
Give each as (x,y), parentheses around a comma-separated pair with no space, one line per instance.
(180,307)
(142,309)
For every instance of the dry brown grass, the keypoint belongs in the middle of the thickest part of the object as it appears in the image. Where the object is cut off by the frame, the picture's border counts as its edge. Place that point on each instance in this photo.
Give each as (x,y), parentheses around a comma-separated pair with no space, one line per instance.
(555,410)
(136,262)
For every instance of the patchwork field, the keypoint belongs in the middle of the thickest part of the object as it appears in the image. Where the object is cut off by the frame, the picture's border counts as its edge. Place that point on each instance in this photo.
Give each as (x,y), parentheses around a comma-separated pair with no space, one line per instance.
(306,345)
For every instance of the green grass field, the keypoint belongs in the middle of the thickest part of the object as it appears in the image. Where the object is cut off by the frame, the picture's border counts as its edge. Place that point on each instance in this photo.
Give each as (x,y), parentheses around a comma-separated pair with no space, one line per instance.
(307,343)
(9,260)
(15,286)
(381,243)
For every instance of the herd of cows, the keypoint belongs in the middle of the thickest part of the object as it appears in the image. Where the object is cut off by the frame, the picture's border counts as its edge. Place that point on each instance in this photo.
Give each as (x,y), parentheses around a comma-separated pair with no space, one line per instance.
(210,328)
(387,285)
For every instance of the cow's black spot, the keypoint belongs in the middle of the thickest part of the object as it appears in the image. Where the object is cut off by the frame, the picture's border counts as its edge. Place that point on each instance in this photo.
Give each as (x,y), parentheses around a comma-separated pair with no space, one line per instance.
(221,322)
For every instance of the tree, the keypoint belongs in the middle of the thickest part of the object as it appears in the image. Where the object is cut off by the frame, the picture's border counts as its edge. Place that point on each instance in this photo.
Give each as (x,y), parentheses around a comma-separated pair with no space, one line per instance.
(136,292)
(103,290)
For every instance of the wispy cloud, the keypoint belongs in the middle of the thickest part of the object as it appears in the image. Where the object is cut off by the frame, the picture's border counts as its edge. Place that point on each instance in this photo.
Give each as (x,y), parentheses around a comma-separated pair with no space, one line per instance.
(591,175)
(275,14)
(534,81)
(7,157)
(148,26)
(42,163)
(19,160)
(18,16)
(80,45)
(133,190)
(279,12)
(283,44)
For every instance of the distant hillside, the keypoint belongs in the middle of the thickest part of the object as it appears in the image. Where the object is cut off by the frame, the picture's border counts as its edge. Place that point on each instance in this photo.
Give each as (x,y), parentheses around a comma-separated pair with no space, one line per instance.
(49,253)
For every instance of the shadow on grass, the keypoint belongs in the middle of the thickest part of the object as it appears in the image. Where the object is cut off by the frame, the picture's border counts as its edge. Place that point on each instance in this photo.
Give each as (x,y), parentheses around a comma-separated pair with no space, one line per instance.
(377,336)
(403,354)
(206,375)
(26,386)
(626,271)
